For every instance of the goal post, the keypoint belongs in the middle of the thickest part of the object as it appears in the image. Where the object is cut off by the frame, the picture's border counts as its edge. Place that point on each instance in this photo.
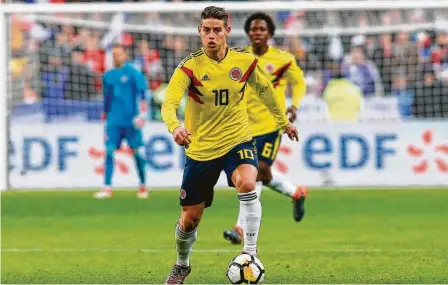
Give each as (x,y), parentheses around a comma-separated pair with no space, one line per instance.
(167,7)
(3,105)
(49,110)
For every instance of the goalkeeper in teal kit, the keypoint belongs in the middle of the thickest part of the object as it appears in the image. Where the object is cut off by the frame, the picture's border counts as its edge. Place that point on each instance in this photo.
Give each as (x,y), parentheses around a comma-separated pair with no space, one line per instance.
(124,89)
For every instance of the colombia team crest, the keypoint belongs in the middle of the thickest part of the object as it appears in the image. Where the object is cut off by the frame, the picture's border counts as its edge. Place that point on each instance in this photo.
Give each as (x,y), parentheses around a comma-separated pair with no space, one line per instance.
(235,73)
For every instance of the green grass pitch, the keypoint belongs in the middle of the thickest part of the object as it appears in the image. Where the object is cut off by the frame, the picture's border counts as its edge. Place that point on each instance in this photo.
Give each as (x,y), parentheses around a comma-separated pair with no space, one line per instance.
(347,236)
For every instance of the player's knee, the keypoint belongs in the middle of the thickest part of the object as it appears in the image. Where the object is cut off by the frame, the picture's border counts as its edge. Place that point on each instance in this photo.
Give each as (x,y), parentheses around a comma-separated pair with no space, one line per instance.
(191,216)
(264,173)
(110,151)
(245,185)
(109,155)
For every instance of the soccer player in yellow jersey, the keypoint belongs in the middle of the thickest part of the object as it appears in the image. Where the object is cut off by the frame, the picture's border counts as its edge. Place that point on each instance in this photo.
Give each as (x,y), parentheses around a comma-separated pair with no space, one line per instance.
(282,70)
(216,134)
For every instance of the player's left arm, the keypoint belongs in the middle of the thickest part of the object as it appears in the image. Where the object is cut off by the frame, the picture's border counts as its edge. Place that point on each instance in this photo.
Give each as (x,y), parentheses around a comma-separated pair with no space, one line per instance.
(141,88)
(142,91)
(295,77)
(107,94)
(266,92)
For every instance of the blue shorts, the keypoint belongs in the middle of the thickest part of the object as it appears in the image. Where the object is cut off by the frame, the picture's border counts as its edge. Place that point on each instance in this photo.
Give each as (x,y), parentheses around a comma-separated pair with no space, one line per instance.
(267,146)
(200,177)
(115,135)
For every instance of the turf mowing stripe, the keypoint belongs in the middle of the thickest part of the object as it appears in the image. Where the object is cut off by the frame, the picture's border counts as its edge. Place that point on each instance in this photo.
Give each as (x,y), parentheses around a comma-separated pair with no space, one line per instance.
(361,250)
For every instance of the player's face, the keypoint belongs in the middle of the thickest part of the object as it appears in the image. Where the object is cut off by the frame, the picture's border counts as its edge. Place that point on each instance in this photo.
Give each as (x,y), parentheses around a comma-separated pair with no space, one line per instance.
(119,56)
(259,33)
(213,34)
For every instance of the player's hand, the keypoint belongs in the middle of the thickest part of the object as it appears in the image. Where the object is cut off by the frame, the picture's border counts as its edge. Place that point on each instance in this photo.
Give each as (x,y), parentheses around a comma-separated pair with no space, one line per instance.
(103,117)
(292,132)
(182,136)
(139,122)
(292,113)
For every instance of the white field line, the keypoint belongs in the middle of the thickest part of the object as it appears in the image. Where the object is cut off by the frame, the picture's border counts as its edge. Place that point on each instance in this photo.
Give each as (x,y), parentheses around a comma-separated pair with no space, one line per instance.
(360,250)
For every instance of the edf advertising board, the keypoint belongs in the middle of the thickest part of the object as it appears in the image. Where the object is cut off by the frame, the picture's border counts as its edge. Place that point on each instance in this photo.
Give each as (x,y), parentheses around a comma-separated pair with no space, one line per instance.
(369,154)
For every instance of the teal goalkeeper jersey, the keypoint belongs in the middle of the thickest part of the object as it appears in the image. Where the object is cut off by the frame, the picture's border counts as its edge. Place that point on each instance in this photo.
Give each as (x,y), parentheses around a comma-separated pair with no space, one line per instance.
(123,88)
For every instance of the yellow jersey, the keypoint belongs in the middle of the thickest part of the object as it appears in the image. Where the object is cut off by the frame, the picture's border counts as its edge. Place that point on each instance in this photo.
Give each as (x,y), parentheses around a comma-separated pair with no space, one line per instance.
(282,69)
(216,110)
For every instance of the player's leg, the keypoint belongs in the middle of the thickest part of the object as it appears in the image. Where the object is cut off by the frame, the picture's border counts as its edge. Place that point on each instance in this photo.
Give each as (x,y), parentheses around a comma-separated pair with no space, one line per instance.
(275,180)
(135,140)
(298,194)
(235,235)
(185,236)
(241,169)
(113,137)
(196,194)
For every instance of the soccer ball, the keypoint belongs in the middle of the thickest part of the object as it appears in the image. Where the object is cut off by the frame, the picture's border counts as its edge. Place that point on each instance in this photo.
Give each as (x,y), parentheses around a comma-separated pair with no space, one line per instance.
(246,269)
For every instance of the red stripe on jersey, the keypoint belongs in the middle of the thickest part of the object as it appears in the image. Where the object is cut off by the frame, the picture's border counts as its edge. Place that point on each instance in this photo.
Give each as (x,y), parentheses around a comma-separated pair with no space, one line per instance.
(190,74)
(242,92)
(249,71)
(194,93)
(279,74)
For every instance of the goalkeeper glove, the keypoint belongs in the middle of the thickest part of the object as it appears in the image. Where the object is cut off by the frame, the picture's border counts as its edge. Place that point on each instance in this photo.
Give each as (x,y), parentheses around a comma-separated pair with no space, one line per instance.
(140,121)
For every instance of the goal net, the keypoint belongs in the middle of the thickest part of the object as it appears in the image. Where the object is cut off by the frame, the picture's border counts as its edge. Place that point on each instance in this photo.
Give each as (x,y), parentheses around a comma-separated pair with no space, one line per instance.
(396,55)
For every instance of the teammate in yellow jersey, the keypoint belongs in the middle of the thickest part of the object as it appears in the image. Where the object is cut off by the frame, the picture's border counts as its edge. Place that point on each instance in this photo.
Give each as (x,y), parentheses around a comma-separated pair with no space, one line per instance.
(216,134)
(282,70)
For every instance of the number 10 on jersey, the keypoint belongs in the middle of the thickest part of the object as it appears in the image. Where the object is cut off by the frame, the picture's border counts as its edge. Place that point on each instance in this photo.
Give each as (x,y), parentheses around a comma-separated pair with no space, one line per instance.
(221,97)
(246,154)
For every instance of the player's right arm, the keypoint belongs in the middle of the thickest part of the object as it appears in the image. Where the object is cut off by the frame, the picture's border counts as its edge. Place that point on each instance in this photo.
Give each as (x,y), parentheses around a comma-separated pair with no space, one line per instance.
(265,90)
(179,82)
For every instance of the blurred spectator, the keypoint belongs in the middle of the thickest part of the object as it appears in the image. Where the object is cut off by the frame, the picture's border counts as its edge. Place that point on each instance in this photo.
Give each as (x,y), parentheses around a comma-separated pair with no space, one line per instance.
(405,97)
(81,38)
(405,56)
(343,98)
(383,58)
(173,53)
(423,44)
(63,47)
(81,82)
(93,55)
(307,61)
(94,58)
(55,79)
(148,61)
(331,71)
(431,99)
(439,55)
(361,71)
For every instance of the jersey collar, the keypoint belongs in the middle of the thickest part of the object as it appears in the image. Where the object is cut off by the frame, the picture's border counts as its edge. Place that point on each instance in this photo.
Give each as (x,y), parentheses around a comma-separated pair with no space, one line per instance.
(215,61)
(249,48)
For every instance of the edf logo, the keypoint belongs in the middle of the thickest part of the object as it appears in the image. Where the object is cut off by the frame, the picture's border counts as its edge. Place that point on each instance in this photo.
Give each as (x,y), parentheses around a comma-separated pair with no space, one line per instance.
(352,151)
(62,153)
(38,153)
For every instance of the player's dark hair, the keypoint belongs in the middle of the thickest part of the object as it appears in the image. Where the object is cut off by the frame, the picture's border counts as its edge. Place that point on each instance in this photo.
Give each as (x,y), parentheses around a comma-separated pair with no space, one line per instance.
(260,16)
(213,12)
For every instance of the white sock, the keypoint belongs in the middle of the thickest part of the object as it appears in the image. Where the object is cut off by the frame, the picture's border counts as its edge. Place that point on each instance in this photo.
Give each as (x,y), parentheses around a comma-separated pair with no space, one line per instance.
(258,188)
(250,210)
(280,184)
(184,244)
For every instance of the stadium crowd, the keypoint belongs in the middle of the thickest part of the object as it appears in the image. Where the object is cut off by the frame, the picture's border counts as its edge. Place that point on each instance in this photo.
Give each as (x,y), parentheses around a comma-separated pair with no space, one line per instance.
(62,64)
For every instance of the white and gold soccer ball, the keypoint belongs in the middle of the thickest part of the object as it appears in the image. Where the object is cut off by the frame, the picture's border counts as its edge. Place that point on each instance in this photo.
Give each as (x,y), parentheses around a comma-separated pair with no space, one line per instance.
(246,269)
